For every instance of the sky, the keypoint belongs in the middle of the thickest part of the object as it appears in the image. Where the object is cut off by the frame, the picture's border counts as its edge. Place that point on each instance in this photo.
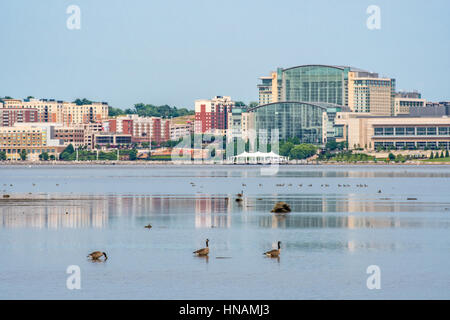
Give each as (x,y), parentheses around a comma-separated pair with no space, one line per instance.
(175,51)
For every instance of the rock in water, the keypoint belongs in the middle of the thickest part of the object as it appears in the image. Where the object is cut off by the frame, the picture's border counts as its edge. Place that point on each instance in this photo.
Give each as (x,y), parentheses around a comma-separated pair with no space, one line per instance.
(281,207)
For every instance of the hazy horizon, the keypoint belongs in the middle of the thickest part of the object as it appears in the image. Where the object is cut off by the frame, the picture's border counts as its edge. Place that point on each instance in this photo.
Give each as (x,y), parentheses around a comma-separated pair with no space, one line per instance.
(178,51)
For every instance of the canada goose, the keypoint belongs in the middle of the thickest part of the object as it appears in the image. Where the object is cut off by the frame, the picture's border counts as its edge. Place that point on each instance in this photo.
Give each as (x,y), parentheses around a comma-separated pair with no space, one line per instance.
(239,199)
(203,251)
(275,252)
(149,226)
(379,191)
(97,254)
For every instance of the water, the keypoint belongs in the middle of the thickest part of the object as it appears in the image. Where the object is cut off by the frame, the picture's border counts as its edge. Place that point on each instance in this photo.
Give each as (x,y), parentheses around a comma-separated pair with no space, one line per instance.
(333,234)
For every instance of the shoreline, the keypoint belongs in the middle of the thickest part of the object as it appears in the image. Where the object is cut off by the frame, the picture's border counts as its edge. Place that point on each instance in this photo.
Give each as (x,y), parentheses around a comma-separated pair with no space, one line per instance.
(195,163)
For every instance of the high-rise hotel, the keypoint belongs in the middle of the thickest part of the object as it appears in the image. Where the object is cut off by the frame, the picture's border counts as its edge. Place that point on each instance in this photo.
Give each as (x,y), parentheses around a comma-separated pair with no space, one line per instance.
(360,90)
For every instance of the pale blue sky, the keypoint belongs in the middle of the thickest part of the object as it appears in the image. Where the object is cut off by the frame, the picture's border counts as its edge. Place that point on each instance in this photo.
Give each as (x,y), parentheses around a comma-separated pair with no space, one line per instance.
(177,51)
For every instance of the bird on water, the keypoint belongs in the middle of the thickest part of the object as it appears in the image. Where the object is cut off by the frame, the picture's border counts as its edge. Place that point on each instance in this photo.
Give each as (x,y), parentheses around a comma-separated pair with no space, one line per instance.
(203,251)
(275,252)
(97,255)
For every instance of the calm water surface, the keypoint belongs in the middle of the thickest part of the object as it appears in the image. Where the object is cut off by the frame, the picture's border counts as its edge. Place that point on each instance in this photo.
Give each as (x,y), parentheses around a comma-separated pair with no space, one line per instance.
(344,219)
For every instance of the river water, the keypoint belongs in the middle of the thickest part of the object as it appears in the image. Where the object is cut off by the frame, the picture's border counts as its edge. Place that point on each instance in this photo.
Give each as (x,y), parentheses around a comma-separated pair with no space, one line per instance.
(343,220)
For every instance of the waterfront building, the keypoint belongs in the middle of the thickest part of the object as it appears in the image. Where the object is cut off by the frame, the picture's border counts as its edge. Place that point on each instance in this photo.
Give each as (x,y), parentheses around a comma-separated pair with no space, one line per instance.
(70,135)
(303,120)
(404,101)
(105,139)
(360,90)
(34,138)
(90,129)
(142,129)
(211,116)
(402,132)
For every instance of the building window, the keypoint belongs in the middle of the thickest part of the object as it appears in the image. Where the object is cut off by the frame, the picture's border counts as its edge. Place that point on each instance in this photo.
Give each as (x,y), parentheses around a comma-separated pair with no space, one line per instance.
(421,131)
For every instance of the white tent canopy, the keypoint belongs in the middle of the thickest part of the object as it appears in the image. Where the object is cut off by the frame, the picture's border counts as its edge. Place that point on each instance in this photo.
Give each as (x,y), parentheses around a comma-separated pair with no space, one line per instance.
(259,157)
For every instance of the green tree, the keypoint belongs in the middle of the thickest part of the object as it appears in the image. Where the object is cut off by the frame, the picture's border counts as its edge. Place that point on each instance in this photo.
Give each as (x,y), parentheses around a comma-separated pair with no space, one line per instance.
(114,112)
(285,148)
(81,102)
(431,155)
(331,145)
(391,156)
(44,156)
(23,154)
(446,154)
(133,154)
(303,151)
(2,155)
(68,153)
(149,110)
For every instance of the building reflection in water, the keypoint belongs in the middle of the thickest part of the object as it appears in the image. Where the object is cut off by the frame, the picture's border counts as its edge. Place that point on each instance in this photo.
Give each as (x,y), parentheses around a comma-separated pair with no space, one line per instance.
(54,214)
(213,212)
(313,211)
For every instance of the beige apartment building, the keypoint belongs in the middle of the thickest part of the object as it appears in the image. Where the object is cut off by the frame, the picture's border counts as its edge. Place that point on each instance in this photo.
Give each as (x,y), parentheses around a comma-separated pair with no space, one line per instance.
(57,111)
(402,132)
(33,138)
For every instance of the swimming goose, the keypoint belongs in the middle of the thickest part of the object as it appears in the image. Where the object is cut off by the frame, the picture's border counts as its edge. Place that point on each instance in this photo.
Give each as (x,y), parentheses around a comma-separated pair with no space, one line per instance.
(97,254)
(149,226)
(275,252)
(203,251)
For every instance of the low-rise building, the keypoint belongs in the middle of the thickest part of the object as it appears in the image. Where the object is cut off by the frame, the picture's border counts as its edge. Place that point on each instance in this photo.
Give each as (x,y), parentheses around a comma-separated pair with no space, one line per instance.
(402,132)
(33,138)
(70,135)
(112,139)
